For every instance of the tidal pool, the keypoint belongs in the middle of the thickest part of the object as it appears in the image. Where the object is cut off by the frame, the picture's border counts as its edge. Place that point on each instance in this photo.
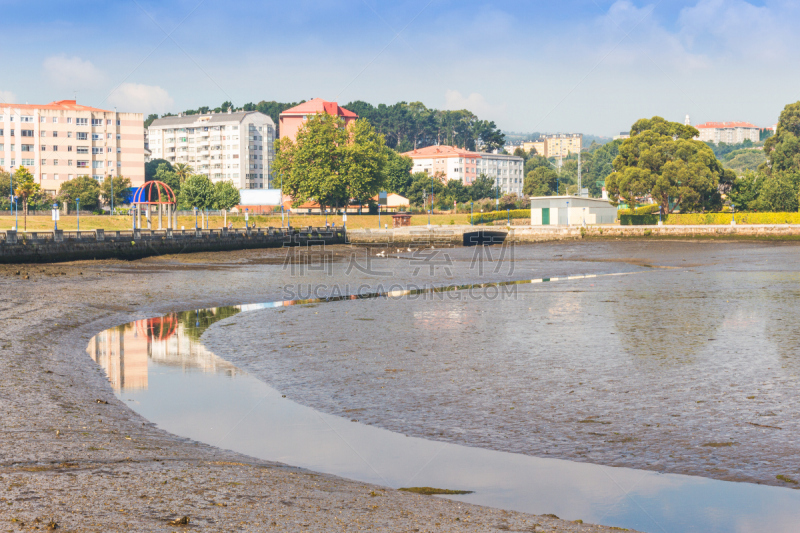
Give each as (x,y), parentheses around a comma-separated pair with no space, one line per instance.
(164,370)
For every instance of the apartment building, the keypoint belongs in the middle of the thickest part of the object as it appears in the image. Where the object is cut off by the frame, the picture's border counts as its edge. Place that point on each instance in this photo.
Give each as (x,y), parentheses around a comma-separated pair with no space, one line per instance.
(228,146)
(728,132)
(453,163)
(62,140)
(293,119)
(555,145)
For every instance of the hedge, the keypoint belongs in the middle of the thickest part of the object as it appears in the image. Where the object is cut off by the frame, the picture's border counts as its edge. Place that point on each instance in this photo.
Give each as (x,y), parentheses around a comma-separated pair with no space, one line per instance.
(638,220)
(480,218)
(644,210)
(692,219)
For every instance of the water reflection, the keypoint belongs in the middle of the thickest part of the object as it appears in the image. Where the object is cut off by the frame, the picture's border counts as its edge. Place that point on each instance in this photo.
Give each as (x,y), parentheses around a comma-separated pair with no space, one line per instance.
(170,340)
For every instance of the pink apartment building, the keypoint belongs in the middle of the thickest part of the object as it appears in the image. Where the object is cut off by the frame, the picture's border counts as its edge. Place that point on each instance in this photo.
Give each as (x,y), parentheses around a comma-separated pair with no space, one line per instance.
(453,163)
(292,119)
(62,140)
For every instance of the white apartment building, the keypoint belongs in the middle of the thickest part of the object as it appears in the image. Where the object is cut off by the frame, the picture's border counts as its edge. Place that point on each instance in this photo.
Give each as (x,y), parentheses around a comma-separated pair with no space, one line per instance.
(727,132)
(453,163)
(62,140)
(236,147)
(506,170)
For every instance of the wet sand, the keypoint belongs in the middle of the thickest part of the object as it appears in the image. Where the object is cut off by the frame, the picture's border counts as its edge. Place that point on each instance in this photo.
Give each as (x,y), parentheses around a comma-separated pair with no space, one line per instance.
(71,454)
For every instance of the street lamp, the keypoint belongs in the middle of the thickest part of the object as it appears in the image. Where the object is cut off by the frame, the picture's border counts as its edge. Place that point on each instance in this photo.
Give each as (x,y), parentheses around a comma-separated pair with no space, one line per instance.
(55,217)
(471,211)
(78,211)
(733,216)
(567,212)
(195,217)
(16,212)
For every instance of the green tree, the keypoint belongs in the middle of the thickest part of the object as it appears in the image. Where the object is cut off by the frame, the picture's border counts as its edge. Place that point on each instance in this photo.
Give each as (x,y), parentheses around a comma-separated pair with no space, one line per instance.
(535,162)
(364,162)
(454,191)
(783,148)
(26,189)
(745,191)
(601,166)
(540,182)
(661,160)
(226,195)
(483,187)
(166,174)
(151,167)
(149,120)
(85,188)
(398,172)
(120,186)
(422,186)
(5,190)
(182,171)
(198,191)
(778,194)
(330,163)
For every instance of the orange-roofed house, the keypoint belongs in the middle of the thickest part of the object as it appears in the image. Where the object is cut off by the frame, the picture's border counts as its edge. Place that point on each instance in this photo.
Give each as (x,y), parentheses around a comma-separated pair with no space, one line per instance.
(728,132)
(292,119)
(62,140)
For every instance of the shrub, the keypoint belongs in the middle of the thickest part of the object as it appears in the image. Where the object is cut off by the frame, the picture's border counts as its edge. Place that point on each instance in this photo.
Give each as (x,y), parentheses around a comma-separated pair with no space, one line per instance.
(480,218)
(691,219)
(638,220)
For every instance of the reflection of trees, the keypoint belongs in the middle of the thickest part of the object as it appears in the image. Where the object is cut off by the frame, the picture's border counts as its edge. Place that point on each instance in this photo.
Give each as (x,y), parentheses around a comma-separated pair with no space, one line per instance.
(665,329)
(195,323)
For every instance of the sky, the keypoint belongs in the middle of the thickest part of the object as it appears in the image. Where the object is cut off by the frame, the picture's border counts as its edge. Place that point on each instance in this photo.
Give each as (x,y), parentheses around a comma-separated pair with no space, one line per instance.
(585,66)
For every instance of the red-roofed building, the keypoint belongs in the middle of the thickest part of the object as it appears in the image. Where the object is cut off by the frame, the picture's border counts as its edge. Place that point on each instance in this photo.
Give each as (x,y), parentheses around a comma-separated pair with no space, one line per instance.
(728,132)
(292,119)
(62,140)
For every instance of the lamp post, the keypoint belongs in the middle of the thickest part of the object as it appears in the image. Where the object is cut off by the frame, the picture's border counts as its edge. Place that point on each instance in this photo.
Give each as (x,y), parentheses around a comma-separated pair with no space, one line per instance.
(55,217)
(16,213)
(195,217)
(112,194)
(733,216)
(584,216)
(471,212)
(567,212)
(78,211)
(509,216)
(379,216)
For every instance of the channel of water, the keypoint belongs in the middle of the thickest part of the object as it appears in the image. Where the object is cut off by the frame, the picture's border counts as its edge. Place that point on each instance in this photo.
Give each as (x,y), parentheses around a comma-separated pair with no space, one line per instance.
(161,369)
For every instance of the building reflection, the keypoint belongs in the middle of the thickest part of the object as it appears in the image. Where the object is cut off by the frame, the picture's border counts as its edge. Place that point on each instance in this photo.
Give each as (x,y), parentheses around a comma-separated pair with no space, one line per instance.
(173,340)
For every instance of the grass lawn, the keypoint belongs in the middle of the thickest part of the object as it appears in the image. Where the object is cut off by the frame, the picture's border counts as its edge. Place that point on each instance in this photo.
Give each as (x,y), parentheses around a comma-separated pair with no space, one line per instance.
(112,223)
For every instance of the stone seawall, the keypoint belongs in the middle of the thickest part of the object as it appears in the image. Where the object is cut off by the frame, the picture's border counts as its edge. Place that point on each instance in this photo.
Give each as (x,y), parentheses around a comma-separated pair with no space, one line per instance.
(454,235)
(55,246)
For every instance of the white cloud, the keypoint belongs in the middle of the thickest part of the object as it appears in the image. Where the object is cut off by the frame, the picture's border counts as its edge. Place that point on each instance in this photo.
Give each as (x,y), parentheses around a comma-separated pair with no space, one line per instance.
(138,98)
(454,100)
(71,73)
(7,97)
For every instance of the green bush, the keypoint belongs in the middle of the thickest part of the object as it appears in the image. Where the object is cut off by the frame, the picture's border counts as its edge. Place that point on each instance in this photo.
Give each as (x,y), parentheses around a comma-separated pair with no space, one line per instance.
(644,210)
(638,220)
(480,218)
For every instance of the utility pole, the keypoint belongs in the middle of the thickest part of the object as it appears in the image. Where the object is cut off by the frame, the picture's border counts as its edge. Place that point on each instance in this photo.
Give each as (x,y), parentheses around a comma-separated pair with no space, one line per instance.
(580,181)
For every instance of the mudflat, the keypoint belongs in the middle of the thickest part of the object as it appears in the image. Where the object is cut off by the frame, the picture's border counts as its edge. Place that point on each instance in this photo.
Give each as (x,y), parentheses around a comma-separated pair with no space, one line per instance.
(73,457)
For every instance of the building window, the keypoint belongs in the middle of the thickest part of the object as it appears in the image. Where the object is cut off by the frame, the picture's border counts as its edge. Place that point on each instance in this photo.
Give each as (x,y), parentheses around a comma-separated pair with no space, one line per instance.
(26,133)
(69,135)
(81,121)
(69,164)
(83,164)
(27,162)
(44,162)
(55,148)
(42,119)
(55,164)
(83,136)
(44,148)
(55,176)
(44,176)
(26,147)
(25,119)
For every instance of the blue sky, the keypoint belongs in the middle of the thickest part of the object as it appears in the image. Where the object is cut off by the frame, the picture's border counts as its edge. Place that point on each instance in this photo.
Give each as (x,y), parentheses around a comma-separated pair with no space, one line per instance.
(590,66)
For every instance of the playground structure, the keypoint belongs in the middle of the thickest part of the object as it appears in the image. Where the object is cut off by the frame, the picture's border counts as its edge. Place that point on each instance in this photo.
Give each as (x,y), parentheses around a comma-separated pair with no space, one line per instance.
(158,195)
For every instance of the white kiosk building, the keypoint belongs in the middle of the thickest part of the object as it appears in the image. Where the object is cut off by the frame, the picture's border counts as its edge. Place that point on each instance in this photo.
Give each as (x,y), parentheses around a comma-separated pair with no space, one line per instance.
(571,211)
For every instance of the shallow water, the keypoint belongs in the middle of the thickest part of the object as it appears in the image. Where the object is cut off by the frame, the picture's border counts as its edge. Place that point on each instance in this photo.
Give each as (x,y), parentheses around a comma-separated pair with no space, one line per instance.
(167,374)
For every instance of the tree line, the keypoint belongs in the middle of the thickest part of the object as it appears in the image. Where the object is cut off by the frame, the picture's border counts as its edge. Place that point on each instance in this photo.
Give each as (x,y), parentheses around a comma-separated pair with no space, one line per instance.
(403,125)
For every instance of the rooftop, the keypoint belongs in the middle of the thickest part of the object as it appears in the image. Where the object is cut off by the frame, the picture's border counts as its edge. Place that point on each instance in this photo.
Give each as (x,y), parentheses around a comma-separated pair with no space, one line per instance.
(441,151)
(60,105)
(318,105)
(209,118)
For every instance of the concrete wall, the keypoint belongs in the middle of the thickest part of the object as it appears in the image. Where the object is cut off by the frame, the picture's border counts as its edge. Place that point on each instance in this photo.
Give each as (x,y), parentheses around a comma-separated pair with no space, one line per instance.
(55,246)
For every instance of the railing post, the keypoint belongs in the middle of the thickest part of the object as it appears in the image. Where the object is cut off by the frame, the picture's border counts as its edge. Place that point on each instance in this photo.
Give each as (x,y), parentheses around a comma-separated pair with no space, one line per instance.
(100,234)
(11,237)
(58,235)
